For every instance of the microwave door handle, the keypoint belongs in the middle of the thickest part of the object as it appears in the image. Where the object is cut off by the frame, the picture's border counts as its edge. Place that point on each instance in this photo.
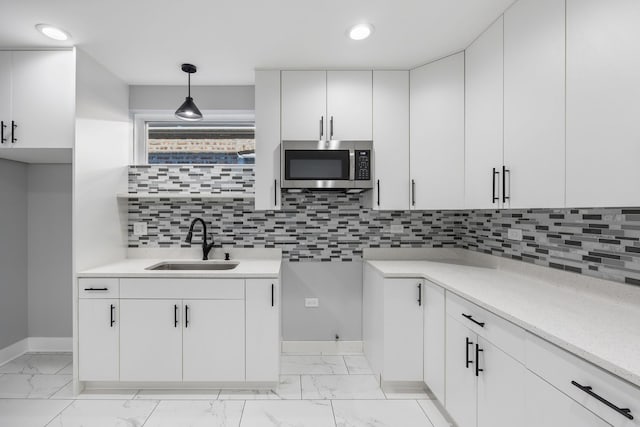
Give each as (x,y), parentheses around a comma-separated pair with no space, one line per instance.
(352,165)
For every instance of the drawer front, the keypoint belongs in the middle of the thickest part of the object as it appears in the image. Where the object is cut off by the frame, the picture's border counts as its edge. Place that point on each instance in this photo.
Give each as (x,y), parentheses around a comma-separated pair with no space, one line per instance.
(98,287)
(501,333)
(560,368)
(182,288)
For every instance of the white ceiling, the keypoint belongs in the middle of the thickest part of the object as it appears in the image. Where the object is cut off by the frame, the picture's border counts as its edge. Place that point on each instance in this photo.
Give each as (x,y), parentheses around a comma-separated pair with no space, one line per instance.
(145,41)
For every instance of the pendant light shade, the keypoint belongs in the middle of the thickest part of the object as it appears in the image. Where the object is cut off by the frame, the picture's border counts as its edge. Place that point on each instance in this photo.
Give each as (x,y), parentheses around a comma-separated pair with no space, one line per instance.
(188,110)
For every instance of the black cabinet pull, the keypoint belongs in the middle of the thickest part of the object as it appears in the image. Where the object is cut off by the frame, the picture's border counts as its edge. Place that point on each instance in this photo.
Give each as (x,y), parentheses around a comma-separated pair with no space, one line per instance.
(468,316)
(493,185)
(113,319)
(504,184)
(420,294)
(378,184)
(478,350)
(321,126)
(186,316)
(413,192)
(175,315)
(13,132)
(2,138)
(467,362)
(272,295)
(589,390)
(275,192)
(331,128)
(96,289)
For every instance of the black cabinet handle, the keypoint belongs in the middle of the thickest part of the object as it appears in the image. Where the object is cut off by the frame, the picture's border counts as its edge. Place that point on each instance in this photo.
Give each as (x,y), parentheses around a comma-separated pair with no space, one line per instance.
(589,390)
(13,132)
(273,290)
(96,289)
(378,184)
(331,128)
(420,294)
(2,138)
(469,317)
(467,362)
(321,126)
(113,319)
(275,192)
(493,185)
(413,192)
(186,316)
(478,350)
(504,184)
(175,316)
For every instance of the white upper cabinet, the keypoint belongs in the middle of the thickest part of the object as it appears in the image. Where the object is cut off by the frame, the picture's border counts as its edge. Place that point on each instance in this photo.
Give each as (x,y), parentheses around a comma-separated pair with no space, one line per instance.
(5,93)
(323,105)
(534,103)
(391,140)
(349,105)
(437,134)
(304,105)
(43,98)
(267,167)
(603,111)
(484,119)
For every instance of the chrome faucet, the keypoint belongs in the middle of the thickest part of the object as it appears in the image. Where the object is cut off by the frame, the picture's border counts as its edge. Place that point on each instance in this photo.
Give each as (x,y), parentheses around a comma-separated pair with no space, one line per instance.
(206,247)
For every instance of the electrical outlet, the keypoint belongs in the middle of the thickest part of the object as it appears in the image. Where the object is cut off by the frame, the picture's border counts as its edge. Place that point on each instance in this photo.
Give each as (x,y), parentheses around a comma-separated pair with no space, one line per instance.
(311,302)
(139,228)
(514,234)
(397,228)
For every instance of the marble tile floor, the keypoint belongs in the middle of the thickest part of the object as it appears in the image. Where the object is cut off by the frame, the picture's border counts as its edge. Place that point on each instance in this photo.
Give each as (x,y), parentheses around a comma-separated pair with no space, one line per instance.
(314,390)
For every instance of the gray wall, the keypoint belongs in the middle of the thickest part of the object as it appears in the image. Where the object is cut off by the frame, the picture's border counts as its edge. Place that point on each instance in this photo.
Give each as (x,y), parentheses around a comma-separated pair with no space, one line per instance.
(205,97)
(13,252)
(338,285)
(49,250)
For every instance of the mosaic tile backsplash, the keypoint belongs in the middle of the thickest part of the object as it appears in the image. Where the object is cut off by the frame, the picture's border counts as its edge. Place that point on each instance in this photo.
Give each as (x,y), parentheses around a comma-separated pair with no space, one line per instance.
(603,242)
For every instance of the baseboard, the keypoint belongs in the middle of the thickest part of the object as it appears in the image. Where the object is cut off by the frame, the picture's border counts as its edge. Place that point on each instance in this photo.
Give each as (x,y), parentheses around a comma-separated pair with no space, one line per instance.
(14,350)
(50,344)
(322,347)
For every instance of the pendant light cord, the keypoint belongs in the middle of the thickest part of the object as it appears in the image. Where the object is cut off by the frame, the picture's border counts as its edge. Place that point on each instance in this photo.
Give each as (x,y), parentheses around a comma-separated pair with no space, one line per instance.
(189,74)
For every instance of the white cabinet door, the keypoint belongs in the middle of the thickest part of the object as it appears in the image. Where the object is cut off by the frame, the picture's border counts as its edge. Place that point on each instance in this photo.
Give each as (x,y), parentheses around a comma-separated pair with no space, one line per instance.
(437,134)
(603,130)
(213,340)
(150,340)
(349,105)
(43,100)
(501,387)
(434,339)
(460,373)
(391,140)
(547,406)
(267,168)
(484,118)
(534,103)
(263,330)
(304,105)
(5,94)
(98,338)
(403,318)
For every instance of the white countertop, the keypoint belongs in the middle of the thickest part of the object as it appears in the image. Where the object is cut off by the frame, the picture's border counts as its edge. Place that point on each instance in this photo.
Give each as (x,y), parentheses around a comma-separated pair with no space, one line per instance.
(135,267)
(603,329)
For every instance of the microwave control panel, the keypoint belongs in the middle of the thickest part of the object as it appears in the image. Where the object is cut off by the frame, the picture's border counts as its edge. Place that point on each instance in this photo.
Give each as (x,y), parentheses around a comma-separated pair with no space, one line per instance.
(363,165)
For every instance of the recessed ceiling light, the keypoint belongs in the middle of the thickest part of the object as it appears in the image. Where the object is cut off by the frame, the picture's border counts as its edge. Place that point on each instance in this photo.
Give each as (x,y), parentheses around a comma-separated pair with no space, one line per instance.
(360,31)
(53,32)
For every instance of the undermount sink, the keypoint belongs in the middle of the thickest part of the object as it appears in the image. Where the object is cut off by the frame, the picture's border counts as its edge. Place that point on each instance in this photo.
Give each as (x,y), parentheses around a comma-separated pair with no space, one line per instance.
(193,265)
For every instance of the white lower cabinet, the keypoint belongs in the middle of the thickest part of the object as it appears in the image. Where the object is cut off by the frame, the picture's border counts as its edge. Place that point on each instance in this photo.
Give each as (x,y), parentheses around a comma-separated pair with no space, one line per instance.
(150,340)
(213,340)
(547,406)
(434,339)
(98,332)
(461,380)
(263,330)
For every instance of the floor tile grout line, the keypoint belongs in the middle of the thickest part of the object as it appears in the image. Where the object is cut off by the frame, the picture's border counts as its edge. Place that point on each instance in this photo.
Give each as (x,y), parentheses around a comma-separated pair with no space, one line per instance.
(60,413)
(425,413)
(244,404)
(333,411)
(151,413)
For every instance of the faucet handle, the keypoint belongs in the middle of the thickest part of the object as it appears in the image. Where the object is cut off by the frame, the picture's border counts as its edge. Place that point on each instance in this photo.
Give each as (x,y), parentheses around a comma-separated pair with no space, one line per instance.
(227,256)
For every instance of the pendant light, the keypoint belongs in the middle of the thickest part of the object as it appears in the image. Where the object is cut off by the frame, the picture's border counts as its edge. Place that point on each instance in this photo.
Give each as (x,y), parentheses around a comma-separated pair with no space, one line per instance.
(188,110)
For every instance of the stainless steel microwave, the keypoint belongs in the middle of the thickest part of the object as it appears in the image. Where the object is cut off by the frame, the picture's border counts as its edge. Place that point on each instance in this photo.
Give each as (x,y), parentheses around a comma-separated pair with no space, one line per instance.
(327,165)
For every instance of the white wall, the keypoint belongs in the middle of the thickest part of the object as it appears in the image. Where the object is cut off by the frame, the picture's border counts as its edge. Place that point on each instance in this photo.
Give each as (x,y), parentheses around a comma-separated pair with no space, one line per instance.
(49,250)
(13,252)
(206,97)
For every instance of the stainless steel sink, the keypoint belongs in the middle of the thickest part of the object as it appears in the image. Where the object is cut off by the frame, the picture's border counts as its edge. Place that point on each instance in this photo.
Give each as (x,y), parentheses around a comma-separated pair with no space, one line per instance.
(193,265)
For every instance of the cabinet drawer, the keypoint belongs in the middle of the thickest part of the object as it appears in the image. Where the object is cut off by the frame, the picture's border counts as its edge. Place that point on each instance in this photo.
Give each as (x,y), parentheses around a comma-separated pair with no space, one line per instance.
(560,368)
(98,287)
(501,333)
(182,288)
